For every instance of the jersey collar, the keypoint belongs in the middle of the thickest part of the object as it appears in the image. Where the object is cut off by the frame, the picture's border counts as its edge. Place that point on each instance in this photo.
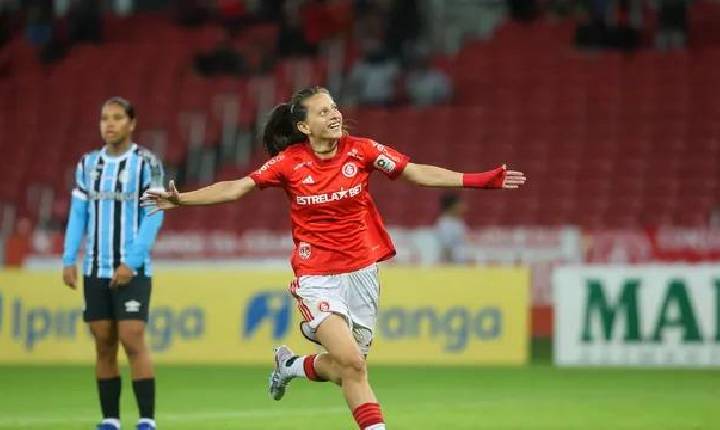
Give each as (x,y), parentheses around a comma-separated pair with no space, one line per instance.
(105,155)
(334,158)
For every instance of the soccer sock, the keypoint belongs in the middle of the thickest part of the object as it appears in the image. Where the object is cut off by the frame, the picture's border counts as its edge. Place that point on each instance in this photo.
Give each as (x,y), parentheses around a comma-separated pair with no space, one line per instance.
(303,367)
(145,395)
(368,416)
(109,392)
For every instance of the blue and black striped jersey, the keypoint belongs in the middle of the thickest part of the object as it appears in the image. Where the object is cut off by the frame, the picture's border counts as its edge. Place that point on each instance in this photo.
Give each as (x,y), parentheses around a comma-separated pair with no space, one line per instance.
(106,209)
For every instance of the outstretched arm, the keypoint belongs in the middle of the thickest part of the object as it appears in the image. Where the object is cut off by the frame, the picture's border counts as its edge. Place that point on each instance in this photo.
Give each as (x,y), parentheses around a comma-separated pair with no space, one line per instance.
(219,192)
(432,176)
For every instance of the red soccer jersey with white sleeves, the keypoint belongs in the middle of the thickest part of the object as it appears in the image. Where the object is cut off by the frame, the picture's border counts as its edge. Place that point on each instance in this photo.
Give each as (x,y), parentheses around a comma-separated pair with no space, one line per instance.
(336,227)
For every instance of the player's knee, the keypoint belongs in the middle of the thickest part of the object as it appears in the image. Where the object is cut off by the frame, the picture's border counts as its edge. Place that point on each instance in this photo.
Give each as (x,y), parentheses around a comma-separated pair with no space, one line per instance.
(353,365)
(132,347)
(133,342)
(106,351)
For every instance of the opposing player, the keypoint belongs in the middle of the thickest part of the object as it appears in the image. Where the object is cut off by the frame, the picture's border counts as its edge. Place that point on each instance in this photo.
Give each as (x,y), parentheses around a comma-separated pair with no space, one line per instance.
(106,209)
(338,234)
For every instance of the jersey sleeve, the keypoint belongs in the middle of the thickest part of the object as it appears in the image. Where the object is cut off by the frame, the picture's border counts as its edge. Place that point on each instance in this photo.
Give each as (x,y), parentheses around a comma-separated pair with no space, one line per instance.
(80,190)
(271,173)
(78,217)
(388,161)
(153,175)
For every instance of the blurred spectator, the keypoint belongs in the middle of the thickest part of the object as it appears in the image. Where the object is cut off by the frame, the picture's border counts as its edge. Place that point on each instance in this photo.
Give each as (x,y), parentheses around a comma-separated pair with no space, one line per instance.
(291,38)
(271,10)
(450,229)
(561,8)
(673,21)
(523,10)
(235,15)
(372,80)
(370,28)
(426,86)
(7,13)
(404,26)
(18,245)
(604,29)
(224,59)
(714,218)
(190,13)
(39,22)
(324,20)
(84,21)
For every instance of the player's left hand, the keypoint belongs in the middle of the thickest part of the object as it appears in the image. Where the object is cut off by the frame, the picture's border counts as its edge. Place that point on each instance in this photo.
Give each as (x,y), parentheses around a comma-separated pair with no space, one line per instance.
(513,179)
(122,276)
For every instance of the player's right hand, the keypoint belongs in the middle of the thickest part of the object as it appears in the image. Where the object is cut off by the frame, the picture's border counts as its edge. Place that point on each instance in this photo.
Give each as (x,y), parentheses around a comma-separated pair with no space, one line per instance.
(161,200)
(70,276)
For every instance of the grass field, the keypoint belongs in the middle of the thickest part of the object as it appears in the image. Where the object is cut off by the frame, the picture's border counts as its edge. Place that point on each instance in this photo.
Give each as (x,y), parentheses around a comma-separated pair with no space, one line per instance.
(534,397)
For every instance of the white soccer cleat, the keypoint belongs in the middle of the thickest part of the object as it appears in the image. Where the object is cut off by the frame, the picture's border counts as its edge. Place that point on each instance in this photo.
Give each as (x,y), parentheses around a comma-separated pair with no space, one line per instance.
(280,376)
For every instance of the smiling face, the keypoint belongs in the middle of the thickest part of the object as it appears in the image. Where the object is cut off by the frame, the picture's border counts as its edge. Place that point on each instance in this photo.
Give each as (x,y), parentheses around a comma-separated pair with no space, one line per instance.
(323,120)
(116,126)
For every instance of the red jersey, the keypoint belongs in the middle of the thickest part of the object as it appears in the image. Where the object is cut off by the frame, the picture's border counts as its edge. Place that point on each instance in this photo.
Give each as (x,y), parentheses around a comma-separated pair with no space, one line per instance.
(336,226)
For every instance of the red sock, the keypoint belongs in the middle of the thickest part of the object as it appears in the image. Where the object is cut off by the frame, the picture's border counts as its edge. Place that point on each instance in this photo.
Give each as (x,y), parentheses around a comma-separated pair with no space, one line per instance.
(368,414)
(309,367)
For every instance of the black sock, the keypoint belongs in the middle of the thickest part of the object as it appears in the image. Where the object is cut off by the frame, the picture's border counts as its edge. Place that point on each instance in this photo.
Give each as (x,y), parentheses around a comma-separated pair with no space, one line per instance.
(109,392)
(145,395)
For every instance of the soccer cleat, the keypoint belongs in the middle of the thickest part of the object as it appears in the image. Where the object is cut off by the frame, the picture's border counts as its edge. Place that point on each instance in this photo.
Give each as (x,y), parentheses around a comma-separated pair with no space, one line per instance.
(106,426)
(280,376)
(145,426)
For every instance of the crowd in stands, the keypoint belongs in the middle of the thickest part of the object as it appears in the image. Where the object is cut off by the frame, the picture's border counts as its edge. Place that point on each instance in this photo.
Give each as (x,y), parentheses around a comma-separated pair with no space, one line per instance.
(387,39)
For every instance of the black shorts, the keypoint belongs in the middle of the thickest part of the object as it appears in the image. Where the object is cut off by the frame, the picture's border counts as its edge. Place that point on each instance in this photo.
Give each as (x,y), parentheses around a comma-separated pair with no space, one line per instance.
(126,302)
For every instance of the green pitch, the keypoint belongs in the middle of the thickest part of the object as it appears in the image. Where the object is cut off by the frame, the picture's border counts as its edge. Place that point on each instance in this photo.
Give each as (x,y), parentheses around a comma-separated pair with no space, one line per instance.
(534,397)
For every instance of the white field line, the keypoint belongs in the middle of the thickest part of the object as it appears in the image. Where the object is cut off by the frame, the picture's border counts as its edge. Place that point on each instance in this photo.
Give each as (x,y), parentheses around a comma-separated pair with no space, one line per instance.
(30,421)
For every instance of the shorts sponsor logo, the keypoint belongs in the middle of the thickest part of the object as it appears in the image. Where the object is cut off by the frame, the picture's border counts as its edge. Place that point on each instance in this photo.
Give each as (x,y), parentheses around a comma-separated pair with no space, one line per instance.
(349,170)
(384,163)
(323,306)
(132,306)
(329,197)
(304,250)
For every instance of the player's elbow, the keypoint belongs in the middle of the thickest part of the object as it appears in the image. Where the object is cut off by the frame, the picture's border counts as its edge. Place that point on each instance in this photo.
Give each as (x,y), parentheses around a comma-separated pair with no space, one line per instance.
(413,173)
(241,187)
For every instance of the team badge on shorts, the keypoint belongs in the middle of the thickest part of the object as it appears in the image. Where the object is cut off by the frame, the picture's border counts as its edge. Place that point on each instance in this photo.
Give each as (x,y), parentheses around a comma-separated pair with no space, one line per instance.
(323,306)
(349,170)
(304,250)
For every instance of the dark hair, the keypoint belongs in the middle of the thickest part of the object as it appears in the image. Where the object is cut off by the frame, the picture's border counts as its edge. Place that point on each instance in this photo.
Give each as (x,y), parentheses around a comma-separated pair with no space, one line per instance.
(281,128)
(448,200)
(123,103)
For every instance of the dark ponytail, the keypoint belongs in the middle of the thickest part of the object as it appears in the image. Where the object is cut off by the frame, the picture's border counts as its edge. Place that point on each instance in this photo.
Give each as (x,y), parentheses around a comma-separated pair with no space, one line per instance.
(281,129)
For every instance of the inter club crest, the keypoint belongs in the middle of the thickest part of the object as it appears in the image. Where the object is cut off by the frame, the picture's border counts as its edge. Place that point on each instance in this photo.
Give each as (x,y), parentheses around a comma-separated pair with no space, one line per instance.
(349,170)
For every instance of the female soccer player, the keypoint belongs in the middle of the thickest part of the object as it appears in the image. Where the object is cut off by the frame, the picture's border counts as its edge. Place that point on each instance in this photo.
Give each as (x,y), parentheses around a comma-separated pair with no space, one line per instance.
(338,234)
(106,208)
